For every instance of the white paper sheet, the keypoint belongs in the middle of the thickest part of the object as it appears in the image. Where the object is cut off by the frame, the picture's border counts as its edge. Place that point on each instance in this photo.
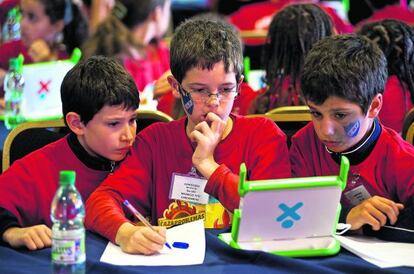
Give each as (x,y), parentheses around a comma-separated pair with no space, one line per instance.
(378,252)
(191,233)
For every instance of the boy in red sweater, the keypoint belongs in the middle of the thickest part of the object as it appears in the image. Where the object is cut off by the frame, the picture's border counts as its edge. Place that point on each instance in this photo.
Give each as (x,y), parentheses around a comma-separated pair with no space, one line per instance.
(99,102)
(188,169)
(343,81)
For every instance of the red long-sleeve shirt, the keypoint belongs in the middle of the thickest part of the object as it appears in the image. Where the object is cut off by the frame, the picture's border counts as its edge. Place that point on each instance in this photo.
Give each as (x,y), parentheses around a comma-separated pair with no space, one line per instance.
(29,185)
(388,171)
(144,178)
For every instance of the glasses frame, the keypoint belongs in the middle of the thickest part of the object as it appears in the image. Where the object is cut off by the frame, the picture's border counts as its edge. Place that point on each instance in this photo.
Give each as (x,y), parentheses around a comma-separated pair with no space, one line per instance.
(204,97)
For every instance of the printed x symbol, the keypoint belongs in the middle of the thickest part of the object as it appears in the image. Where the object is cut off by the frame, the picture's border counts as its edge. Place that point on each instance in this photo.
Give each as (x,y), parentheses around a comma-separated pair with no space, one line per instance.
(44,87)
(289,212)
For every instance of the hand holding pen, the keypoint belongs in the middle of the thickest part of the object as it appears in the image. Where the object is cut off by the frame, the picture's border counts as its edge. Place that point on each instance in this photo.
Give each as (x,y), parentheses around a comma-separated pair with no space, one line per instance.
(140,239)
(141,218)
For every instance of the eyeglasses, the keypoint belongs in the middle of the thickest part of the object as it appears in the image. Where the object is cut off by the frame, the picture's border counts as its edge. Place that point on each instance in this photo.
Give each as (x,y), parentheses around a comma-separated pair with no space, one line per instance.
(203,95)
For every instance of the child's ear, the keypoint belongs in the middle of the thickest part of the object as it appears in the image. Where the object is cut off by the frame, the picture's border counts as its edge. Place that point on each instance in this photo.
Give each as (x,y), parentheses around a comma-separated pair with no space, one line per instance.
(375,106)
(174,86)
(74,122)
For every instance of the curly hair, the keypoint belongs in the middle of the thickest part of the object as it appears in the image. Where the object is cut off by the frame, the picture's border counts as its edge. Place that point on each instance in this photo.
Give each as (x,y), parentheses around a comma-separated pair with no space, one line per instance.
(292,33)
(396,40)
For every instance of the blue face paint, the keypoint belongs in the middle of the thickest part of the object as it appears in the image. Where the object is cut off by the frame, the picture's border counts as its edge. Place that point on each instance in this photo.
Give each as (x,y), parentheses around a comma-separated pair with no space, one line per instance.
(187,102)
(180,245)
(352,129)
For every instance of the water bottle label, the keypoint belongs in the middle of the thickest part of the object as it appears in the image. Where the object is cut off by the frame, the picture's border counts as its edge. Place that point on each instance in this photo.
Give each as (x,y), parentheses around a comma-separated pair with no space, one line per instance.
(68,247)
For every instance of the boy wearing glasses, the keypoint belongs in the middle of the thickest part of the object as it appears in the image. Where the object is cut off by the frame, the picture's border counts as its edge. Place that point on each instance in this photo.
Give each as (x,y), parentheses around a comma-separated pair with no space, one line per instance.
(188,169)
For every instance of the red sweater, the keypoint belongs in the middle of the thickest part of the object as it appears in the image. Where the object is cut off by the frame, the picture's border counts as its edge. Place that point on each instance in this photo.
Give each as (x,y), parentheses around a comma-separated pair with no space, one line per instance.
(28,186)
(388,170)
(144,178)
(13,49)
(396,104)
(391,12)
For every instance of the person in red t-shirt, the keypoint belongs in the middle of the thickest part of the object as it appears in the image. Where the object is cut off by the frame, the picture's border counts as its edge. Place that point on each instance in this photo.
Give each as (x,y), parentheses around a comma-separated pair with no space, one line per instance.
(209,143)
(257,16)
(363,12)
(292,33)
(342,81)
(396,40)
(132,34)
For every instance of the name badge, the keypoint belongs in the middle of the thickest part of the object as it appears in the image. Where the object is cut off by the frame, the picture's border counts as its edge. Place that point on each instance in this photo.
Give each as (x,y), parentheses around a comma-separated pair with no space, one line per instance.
(356,195)
(189,187)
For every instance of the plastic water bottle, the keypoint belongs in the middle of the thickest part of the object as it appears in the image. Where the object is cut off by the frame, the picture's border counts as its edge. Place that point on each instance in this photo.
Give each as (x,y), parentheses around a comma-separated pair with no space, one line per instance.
(11,27)
(68,231)
(13,88)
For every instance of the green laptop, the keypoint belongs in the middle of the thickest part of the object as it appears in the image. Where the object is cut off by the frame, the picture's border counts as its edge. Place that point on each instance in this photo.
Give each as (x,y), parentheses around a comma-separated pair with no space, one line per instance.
(293,217)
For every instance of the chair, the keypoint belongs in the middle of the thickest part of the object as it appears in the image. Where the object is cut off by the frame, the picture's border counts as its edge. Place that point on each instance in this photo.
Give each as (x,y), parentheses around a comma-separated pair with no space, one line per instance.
(410,134)
(30,136)
(408,127)
(147,117)
(249,34)
(290,109)
(287,120)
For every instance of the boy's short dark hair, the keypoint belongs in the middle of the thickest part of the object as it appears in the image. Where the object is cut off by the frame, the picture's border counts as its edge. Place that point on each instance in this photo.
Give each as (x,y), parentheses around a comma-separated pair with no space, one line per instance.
(203,43)
(347,66)
(94,83)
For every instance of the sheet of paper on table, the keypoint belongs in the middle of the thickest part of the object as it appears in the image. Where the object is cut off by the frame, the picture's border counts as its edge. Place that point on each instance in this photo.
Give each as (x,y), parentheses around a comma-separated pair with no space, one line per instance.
(191,233)
(378,252)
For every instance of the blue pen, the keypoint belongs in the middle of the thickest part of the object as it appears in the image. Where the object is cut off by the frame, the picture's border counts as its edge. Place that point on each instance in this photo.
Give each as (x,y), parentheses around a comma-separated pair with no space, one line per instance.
(141,218)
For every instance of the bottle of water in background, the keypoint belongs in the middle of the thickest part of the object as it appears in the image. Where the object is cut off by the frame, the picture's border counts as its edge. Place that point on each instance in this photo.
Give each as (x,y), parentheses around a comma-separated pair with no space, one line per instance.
(13,93)
(68,231)
(11,27)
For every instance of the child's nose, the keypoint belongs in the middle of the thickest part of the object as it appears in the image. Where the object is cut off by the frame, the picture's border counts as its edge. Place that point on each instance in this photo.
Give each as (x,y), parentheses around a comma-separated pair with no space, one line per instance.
(129,133)
(213,100)
(327,127)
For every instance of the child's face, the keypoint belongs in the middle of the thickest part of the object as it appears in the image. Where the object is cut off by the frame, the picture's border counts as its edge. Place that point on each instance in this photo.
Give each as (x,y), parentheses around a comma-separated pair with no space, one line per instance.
(36,24)
(110,133)
(340,124)
(214,81)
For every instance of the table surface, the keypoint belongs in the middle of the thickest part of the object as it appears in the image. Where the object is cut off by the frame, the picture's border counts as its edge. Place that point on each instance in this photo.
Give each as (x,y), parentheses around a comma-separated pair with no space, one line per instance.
(220,258)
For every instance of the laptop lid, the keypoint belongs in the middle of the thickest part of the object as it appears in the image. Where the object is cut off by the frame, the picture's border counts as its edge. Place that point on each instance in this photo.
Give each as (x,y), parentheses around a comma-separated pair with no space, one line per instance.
(41,94)
(289,213)
(288,209)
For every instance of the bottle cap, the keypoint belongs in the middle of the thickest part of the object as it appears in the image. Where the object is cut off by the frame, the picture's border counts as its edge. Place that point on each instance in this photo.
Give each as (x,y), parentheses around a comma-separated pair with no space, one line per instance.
(16,63)
(13,63)
(67,177)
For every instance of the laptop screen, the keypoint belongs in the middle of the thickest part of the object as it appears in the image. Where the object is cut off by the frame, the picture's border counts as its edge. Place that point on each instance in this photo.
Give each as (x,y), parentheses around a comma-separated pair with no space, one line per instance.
(41,95)
(288,213)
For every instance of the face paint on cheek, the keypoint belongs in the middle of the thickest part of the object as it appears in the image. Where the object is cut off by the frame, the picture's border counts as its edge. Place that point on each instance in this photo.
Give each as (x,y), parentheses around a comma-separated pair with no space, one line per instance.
(352,129)
(188,103)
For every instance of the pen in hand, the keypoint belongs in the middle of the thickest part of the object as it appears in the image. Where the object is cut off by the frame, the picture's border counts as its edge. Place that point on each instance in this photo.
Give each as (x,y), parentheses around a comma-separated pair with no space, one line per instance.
(141,218)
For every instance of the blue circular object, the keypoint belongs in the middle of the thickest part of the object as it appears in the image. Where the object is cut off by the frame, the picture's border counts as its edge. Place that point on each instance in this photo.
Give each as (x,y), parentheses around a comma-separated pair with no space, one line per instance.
(287,224)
